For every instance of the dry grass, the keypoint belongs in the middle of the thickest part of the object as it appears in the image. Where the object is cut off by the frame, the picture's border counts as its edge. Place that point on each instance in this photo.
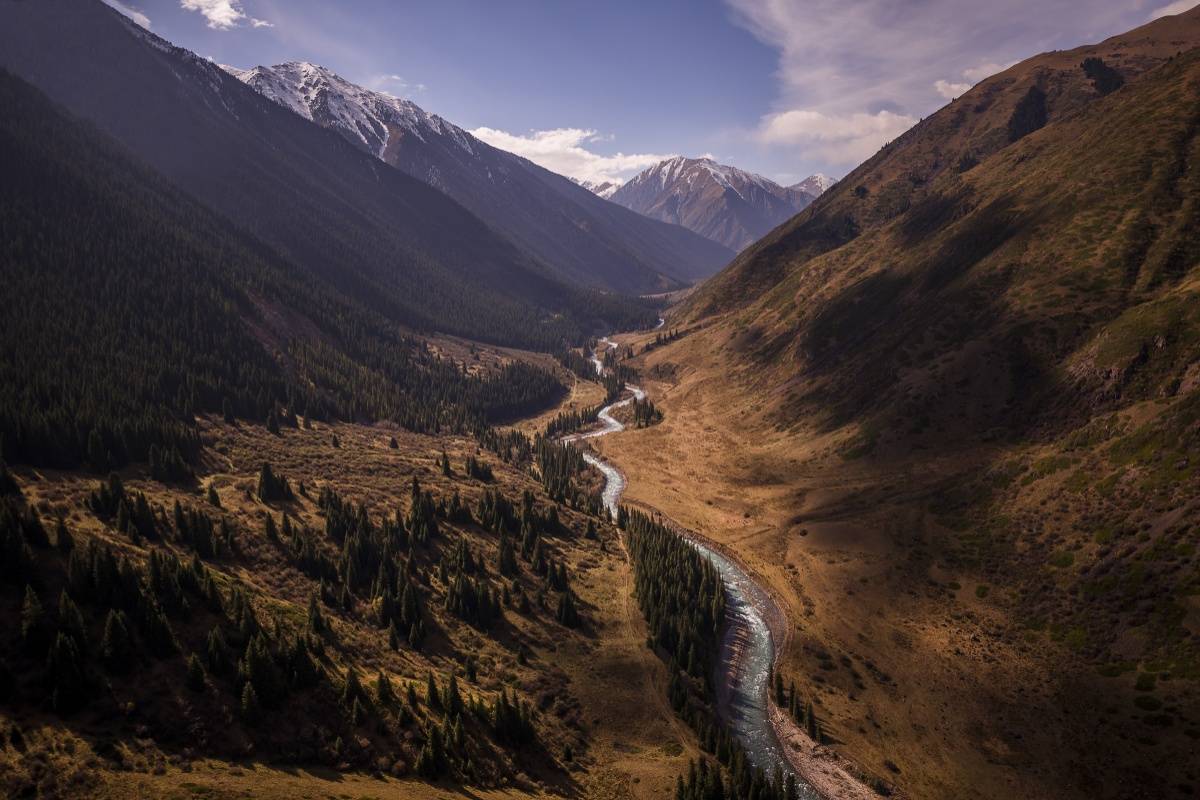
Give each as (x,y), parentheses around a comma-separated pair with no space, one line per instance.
(599,689)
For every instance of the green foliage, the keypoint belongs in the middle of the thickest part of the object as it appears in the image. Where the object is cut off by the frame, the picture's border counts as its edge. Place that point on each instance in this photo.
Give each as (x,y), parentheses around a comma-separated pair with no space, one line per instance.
(1106,79)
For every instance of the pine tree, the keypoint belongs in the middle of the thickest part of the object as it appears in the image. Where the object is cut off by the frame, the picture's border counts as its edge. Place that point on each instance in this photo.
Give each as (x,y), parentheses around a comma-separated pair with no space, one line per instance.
(316,620)
(250,708)
(217,652)
(352,690)
(70,621)
(33,622)
(383,690)
(116,648)
(195,673)
(432,697)
(65,674)
(214,499)
(453,701)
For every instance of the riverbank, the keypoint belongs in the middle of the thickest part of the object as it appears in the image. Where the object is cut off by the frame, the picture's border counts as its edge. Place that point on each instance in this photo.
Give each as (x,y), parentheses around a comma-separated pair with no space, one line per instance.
(756,622)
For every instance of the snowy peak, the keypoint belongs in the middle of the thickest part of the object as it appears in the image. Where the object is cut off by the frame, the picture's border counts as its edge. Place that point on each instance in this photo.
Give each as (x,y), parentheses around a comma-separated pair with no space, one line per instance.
(604,189)
(724,203)
(814,185)
(366,117)
(577,235)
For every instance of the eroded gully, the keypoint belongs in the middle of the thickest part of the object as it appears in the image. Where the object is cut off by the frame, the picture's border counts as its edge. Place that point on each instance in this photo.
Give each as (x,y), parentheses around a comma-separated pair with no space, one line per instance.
(748,647)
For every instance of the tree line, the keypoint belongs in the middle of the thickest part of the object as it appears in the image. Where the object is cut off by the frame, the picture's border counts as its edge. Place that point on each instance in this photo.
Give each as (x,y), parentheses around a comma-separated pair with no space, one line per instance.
(682,597)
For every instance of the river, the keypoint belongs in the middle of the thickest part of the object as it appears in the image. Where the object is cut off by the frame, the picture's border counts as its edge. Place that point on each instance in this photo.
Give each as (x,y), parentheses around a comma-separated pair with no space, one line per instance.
(748,649)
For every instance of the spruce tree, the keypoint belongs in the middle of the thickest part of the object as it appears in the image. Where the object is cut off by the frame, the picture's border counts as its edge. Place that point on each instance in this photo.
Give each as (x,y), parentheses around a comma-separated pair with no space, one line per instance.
(383,690)
(250,708)
(316,620)
(453,701)
(116,648)
(33,622)
(65,674)
(432,697)
(195,673)
(70,621)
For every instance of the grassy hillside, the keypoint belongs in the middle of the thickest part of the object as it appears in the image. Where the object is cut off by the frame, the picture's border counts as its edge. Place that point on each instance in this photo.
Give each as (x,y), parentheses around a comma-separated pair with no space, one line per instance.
(300,591)
(950,412)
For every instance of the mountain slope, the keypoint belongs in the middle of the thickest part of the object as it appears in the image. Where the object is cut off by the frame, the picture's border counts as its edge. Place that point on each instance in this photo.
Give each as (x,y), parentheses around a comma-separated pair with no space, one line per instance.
(952,412)
(584,240)
(401,247)
(723,203)
(132,308)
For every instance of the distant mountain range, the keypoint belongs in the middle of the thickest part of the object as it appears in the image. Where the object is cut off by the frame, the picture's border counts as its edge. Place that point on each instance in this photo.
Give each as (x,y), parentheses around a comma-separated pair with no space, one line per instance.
(720,202)
(603,188)
(581,238)
(815,185)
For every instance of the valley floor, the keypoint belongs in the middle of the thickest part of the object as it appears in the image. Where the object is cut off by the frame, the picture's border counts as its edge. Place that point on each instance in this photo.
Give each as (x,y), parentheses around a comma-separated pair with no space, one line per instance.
(928,676)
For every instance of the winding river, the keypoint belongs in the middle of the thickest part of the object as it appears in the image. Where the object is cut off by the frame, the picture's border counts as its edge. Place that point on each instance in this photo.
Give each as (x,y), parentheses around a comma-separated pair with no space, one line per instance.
(747,650)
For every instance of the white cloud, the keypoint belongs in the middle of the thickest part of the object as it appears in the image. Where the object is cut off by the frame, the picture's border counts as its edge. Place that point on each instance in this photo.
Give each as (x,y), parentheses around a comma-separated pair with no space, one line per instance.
(1178,7)
(950,90)
(129,11)
(223,14)
(564,150)
(395,85)
(987,70)
(868,67)
(843,139)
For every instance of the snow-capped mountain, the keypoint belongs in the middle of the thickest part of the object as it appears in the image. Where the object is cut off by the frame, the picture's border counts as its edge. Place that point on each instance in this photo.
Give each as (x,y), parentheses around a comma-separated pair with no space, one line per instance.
(605,189)
(723,203)
(567,227)
(368,118)
(815,185)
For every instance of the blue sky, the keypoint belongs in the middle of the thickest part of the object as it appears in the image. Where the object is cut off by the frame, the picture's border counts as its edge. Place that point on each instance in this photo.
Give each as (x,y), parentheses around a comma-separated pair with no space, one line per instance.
(785,88)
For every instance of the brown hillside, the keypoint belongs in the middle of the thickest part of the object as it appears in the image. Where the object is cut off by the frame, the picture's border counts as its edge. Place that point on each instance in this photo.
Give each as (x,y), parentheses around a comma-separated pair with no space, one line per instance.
(951,412)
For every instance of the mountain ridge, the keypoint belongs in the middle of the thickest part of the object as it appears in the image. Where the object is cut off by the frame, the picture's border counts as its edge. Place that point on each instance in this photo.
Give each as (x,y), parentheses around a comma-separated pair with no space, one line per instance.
(723,203)
(583,239)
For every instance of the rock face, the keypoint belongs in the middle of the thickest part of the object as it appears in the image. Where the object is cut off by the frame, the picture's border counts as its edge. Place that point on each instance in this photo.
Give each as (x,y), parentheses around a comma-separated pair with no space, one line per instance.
(566,224)
(722,203)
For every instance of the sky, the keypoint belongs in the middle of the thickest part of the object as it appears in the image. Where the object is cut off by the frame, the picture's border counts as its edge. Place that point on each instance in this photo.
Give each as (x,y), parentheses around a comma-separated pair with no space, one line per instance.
(600,91)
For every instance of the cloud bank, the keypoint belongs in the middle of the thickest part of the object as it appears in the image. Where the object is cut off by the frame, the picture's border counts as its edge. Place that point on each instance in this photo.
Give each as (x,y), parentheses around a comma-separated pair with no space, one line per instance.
(565,151)
(853,75)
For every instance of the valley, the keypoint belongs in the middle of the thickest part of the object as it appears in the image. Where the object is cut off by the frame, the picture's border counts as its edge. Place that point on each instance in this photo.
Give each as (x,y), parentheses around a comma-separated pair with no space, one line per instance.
(348,451)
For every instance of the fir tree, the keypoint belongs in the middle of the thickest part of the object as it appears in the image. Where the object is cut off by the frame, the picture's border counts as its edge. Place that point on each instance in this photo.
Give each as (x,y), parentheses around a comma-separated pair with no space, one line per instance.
(432,697)
(65,674)
(250,708)
(33,621)
(116,648)
(453,702)
(383,690)
(195,673)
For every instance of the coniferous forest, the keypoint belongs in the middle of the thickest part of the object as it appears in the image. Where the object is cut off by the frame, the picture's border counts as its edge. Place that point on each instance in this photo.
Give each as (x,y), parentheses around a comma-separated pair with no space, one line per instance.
(131,308)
